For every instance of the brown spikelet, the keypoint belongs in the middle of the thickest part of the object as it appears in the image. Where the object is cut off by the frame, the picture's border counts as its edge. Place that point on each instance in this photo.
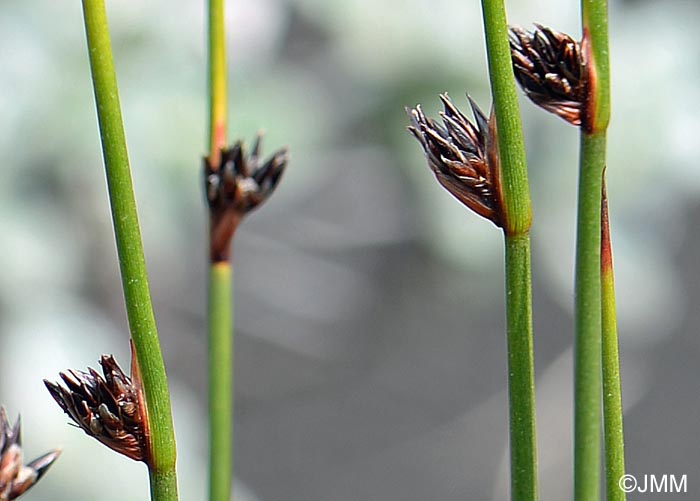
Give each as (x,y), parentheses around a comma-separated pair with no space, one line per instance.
(15,477)
(462,155)
(551,68)
(234,186)
(109,408)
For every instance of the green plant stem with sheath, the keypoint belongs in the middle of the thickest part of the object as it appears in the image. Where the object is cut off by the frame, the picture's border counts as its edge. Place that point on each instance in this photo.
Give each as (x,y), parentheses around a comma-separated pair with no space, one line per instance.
(587,372)
(161,447)
(517,220)
(612,391)
(220,298)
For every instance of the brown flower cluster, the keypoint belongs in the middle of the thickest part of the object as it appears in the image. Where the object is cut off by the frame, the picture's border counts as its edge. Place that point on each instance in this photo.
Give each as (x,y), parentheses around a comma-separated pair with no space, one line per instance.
(463,156)
(551,68)
(237,185)
(16,478)
(109,408)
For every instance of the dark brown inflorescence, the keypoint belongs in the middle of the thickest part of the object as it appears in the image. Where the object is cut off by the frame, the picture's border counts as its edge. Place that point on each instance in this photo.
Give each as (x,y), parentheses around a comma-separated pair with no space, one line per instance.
(237,185)
(16,478)
(463,156)
(109,408)
(550,67)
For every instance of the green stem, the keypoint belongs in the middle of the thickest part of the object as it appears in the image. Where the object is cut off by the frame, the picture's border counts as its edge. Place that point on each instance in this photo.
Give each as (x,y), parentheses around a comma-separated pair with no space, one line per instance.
(163,484)
(514,183)
(220,309)
(588,279)
(131,258)
(220,381)
(594,17)
(612,392)
(521,378)
(217,79)
(517,216)
(588,321)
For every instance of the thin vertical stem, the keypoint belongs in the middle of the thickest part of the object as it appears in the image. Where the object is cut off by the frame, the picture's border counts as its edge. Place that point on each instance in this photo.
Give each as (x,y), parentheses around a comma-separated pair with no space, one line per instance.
(163,484)
(220,309)
(594,17)
(131,258)
(217,80)
(514,183)
(587,455)
(588,322)
(517,217)
(220,381)
(521,377)
(612,391)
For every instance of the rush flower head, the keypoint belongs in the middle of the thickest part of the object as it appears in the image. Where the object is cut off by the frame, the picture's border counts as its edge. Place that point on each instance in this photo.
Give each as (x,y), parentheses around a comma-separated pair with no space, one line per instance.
(237,185)
(16,478)
(109,408)
(462,155)
(550,67)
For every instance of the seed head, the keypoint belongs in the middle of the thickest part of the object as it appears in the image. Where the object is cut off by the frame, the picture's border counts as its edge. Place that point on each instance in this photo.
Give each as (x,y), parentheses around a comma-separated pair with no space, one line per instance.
(237,185)
(462,155)
(16,478)
(551,69)
(109,408)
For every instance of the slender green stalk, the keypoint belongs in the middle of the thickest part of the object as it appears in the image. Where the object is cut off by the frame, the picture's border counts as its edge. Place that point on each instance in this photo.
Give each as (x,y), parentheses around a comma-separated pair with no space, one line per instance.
(514,183)
(612,392)
(220,381)
(163,484)
(517,216)
(217,79)
(594,16)
(587,356)
(131,258)
(220,309)
(521,378)
(588,322)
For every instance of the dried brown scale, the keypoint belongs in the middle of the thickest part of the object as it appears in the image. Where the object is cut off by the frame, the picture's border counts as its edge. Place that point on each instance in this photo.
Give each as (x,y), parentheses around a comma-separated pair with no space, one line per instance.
(462,155)
(109,408)
(551,69)
(16,478)
(235,186)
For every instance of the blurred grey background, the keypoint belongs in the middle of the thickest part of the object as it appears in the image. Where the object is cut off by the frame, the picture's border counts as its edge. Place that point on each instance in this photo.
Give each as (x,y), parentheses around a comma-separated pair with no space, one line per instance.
(370,355)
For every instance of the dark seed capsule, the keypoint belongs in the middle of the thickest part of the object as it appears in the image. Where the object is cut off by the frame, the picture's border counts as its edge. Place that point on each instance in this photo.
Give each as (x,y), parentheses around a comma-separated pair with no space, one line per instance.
(462,155)
(549,67)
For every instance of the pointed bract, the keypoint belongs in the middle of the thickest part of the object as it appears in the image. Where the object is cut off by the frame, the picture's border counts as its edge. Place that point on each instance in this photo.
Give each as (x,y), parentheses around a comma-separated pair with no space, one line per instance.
(16,478)
(463,156)
(551,69)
